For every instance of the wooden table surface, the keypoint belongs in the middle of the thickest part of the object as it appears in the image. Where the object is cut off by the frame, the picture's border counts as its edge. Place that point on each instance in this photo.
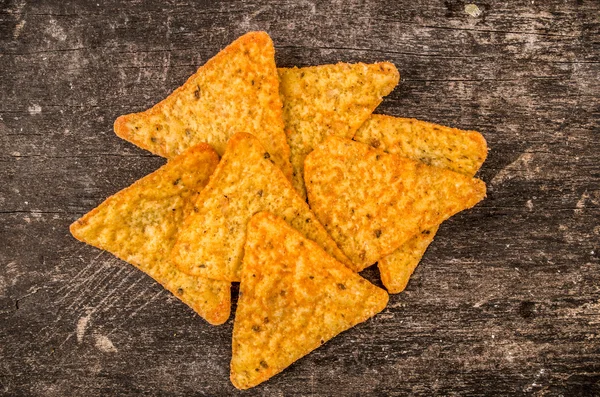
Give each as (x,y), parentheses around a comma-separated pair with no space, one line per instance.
(506,299)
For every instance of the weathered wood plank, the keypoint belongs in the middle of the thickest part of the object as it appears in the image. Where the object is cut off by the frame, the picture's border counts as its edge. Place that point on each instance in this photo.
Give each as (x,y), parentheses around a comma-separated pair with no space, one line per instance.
(505,301)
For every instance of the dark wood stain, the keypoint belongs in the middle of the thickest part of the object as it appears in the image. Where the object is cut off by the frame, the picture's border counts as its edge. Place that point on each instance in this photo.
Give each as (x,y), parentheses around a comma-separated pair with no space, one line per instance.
(505,301)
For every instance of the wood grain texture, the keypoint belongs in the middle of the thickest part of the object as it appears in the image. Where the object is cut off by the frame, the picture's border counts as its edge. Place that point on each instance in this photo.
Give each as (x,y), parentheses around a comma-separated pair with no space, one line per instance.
(506,299)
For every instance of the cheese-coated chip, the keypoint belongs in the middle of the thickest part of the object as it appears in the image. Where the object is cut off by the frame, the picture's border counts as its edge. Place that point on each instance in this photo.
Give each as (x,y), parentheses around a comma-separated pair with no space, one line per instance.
(139,224)
(293,298)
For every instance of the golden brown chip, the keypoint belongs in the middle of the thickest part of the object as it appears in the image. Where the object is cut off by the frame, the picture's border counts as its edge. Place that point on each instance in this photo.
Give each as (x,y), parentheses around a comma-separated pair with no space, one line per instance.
(437,145)
(451,148)
(139,225)
(371,202)
(319,101)
(236,90)
(396,268)
(211,243)
(293,298)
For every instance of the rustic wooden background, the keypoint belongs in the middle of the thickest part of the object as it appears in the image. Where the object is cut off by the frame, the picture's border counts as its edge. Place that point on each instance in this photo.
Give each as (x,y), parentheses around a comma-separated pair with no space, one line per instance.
(506,300)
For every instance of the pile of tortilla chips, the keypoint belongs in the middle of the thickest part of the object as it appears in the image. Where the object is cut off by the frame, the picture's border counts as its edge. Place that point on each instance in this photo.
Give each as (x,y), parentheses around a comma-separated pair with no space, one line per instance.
(247,145)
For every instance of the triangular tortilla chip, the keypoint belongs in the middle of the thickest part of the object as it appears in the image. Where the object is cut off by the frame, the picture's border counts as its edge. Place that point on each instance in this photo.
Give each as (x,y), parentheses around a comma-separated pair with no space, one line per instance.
(396,268)
(319,101)
(371,202)
(236,90)
(211,243)
(445,147)
(451,148)
(293,298)
(139,225)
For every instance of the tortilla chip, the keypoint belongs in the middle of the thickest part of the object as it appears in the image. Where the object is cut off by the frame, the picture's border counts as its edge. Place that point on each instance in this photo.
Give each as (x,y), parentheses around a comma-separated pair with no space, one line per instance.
(236,90)
(293,298)
(211,243)
(451,148)
(139,225)
(396,268)
(457,150)
(371,202)
(319,101)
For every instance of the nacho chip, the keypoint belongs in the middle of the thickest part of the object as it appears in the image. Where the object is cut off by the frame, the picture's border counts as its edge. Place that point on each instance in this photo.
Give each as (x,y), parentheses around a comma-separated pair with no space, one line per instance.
(451,148)
(236,90)
(437,145)
(211,243)
(293,298)
(396,268)
(139,225)
(371,202)
(319,101)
